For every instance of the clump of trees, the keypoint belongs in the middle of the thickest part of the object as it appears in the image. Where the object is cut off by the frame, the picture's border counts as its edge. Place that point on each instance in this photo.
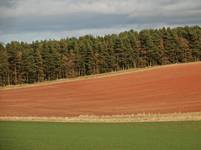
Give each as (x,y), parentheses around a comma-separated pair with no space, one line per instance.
(72,57)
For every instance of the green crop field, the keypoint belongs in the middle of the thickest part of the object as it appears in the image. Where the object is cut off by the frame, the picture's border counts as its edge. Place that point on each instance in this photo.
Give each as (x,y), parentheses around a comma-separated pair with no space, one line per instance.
(100,136)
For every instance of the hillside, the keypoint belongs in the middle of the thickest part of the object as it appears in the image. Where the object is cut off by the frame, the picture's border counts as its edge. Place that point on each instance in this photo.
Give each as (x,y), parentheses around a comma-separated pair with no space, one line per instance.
(168,89)
(39,61)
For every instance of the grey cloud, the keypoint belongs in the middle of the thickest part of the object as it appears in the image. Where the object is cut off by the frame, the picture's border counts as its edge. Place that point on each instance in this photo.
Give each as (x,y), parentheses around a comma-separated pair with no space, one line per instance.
(62,23)
(35,16)
(7,3)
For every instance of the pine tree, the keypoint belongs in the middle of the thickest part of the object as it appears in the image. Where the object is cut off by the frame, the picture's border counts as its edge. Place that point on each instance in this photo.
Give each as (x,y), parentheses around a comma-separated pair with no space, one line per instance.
(4,78)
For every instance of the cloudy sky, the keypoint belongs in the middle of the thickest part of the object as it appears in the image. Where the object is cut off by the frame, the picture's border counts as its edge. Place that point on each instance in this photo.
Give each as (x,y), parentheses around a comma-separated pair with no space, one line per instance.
(28,20)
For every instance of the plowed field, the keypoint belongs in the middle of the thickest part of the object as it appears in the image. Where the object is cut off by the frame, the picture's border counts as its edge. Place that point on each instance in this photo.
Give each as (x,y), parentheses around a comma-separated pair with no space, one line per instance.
(168,89)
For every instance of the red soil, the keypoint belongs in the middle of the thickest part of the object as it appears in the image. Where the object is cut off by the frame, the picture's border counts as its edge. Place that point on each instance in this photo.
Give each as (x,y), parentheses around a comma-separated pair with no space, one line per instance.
(166,89)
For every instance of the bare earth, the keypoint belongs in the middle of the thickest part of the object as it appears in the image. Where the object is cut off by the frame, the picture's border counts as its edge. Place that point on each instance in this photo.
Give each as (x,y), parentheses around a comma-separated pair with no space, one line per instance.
(162,90)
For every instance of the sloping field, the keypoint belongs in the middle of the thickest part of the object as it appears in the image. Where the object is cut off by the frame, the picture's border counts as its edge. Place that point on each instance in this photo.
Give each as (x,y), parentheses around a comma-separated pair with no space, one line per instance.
(168,89)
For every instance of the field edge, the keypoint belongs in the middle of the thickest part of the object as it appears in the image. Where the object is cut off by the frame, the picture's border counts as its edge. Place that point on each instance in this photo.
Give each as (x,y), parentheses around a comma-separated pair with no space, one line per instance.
(95,76)
(191,116)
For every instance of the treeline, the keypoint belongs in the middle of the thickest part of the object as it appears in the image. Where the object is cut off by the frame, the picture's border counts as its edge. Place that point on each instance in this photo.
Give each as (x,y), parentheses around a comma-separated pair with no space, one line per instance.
(72,57)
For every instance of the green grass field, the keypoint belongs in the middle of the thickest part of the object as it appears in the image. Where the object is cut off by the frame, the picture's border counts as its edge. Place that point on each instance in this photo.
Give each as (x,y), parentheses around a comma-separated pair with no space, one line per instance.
(100,136)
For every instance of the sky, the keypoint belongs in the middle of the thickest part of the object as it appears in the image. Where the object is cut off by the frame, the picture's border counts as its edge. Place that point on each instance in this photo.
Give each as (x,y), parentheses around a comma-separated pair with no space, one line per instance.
(29,20)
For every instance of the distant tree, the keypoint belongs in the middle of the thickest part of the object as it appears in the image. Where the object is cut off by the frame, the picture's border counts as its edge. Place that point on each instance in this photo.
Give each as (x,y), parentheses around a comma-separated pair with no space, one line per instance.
(14,52)
(28,68)
(4,66)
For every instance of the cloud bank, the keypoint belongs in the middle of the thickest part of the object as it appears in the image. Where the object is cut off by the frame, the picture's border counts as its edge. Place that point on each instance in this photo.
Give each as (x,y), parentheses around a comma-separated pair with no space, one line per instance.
(29,20)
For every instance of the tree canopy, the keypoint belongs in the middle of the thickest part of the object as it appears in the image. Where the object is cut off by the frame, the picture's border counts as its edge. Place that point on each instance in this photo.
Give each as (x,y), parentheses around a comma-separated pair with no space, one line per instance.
(39,61)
